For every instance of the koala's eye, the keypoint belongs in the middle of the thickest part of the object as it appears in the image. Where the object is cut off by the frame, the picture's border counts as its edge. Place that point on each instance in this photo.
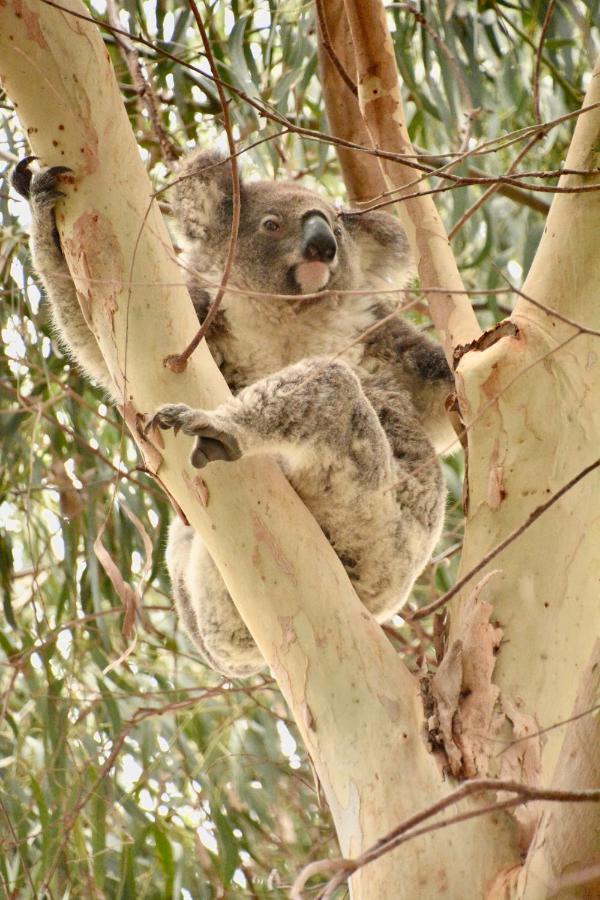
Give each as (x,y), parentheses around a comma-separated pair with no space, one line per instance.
(337,230)
(269,223)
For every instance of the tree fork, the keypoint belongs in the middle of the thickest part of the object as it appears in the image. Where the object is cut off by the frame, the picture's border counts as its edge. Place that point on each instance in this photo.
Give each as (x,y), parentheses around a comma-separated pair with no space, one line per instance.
(536,425)
(355,703)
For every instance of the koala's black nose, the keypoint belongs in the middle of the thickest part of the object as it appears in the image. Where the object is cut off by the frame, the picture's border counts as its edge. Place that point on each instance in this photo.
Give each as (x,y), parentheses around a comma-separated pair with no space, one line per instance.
(318,242)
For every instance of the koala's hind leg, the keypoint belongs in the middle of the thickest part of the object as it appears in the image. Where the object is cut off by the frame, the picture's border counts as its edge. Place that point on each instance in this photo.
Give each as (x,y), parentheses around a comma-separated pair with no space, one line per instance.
(381,508)
(42,190)
(205,608)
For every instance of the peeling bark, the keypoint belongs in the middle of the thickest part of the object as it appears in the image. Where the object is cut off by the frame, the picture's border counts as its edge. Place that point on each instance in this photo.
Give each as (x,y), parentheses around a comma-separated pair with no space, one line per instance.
(465,693)
(522,760)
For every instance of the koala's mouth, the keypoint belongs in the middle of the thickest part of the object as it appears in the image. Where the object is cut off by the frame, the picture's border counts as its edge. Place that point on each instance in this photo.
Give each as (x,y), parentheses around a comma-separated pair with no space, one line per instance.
(311,276)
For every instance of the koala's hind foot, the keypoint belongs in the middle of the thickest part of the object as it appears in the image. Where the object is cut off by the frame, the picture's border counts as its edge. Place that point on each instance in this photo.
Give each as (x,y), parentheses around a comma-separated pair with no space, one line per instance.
(213,441)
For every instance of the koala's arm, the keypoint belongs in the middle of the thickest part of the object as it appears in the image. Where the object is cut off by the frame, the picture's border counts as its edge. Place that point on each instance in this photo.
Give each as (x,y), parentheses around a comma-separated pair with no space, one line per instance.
(401,356)
(42,190)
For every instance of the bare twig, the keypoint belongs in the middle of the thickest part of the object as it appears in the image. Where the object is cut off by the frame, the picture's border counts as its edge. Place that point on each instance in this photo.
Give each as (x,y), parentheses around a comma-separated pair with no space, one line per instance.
(535,734)
(23,858)
(179,362)
(328,45)
(494,188)
(556,73)
(495,551)
(458,182)
(408,830)
(142,84)
(538,62)
(407,159)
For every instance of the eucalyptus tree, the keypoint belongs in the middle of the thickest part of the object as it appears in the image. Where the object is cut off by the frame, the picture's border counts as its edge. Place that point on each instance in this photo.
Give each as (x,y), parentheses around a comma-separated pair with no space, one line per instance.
(129,769)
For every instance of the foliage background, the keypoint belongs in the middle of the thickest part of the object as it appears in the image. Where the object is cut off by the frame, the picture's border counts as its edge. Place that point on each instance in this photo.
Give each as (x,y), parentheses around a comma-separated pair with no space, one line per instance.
(148,776)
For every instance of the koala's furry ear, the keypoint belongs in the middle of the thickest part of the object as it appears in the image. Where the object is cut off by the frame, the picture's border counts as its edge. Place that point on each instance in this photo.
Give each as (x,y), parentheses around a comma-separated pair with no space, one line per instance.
(385,257)
(203,193)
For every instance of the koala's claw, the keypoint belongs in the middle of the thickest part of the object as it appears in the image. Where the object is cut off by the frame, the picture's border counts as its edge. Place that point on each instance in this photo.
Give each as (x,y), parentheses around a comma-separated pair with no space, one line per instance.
(213,443)
(170,416)
(40,186)
(22,175)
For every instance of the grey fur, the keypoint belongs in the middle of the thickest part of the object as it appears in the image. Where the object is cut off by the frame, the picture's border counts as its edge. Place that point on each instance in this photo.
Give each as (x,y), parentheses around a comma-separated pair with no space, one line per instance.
(356,436)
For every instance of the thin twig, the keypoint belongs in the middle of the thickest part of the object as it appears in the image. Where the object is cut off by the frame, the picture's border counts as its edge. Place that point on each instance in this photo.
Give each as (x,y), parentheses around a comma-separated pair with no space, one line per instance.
(538,62)
(557,74)
(178,362)
(18,846)
(328,45)
(536,734)
(142,84)
(495,551)
(407,830)
(412,160)
(466,181)
(494,188)
(583,329)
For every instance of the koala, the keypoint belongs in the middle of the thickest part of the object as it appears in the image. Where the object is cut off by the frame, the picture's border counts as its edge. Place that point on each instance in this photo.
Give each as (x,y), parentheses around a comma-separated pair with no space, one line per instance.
(351,406)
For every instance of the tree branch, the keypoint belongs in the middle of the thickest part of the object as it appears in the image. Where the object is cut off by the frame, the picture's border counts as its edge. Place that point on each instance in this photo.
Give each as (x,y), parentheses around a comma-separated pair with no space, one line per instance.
(408,829)
(382,110)
(362,174)
(179,362)
(566,267)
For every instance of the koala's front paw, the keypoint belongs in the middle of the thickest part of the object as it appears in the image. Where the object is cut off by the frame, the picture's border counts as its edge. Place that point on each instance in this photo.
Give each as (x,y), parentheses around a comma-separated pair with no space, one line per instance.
(40,188)
(213,442)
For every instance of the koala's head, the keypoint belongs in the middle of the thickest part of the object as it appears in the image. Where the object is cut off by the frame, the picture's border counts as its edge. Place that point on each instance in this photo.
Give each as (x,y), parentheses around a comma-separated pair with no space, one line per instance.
(291,240)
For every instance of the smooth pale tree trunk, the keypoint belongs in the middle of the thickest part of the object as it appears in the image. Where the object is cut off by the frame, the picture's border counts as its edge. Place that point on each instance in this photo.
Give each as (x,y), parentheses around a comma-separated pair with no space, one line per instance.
(564,857)
(535,406)
(531,404)
(355,703)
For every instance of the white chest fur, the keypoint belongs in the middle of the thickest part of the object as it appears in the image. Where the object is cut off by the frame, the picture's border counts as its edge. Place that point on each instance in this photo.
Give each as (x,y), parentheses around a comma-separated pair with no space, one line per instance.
(263,336)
